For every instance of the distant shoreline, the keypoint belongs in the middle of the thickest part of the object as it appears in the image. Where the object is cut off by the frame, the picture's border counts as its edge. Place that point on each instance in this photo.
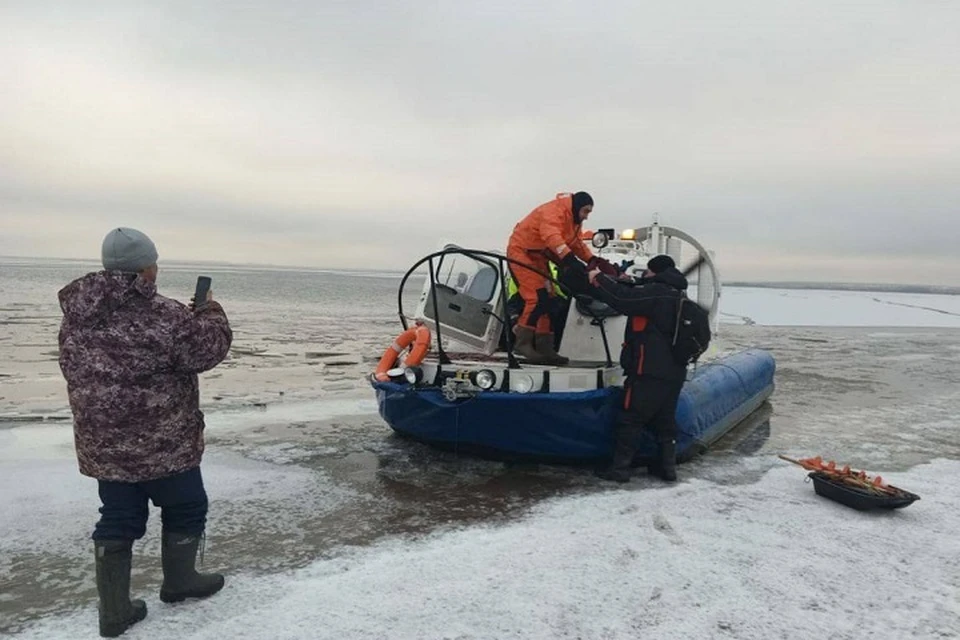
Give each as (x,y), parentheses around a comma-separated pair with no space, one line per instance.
(851,286)
(829,286)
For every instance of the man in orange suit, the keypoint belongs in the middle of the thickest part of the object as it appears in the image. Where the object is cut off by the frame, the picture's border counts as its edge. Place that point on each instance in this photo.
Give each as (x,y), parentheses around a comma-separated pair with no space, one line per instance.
(549,233)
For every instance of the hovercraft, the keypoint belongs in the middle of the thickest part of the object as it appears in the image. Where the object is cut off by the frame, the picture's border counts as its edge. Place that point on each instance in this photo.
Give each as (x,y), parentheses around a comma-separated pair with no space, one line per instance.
(461,387)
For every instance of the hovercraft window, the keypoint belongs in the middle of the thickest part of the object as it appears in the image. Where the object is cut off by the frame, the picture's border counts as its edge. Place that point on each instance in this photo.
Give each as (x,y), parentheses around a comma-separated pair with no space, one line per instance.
(468,277)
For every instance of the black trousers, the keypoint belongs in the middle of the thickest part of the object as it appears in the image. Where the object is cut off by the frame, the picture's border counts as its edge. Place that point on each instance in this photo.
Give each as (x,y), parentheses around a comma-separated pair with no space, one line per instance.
(648,403)
(181,497)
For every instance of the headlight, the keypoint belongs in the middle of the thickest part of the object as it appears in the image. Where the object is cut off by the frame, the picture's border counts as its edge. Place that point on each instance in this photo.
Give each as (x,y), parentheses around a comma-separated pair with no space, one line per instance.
(396,372)
(413,374)
(485,379)
(599,240)
(521,383)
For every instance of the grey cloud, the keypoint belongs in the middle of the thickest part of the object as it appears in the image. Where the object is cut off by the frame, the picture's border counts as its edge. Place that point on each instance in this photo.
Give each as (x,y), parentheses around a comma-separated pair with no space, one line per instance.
(812,127)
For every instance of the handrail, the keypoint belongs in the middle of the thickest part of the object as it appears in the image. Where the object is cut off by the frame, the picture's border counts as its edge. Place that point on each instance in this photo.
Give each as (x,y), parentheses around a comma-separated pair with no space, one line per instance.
(484,256)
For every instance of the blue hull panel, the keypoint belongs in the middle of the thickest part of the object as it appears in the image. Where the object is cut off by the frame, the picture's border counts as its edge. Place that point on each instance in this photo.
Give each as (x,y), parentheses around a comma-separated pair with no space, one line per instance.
(576,426)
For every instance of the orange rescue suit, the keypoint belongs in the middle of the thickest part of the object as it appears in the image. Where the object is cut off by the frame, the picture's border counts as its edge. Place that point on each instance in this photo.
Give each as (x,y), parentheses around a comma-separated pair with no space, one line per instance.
(549,232)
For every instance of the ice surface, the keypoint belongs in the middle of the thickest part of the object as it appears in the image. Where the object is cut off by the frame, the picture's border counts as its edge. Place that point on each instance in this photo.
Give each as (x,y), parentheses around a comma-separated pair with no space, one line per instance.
(815,307)
(300,469)
(697,560)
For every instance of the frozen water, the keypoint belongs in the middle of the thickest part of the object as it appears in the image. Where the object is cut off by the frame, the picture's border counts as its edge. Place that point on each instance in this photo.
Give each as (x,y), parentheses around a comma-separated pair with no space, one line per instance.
(699,560)
(328,526)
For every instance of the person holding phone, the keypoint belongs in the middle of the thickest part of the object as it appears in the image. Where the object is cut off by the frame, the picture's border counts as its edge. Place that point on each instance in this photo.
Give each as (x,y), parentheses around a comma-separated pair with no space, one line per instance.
(130,357)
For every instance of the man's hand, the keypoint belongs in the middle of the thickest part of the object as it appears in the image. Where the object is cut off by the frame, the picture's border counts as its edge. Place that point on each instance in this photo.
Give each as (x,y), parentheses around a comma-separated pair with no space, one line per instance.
(592,276)
(604,265)
(193,303)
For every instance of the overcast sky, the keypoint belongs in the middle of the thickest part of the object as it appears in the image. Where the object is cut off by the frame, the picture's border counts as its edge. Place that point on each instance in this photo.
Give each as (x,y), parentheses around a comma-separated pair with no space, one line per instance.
(815,139)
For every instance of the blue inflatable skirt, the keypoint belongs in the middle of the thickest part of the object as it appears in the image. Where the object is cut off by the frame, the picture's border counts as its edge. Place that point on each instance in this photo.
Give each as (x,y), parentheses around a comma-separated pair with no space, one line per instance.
(576,427)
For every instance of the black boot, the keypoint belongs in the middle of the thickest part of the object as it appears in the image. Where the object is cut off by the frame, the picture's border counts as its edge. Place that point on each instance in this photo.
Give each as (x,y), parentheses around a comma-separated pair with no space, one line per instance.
(117,611)
(544,345)
(614,474)
(619,469)
(654,468)
(668,460)
(524,345)
(180,578)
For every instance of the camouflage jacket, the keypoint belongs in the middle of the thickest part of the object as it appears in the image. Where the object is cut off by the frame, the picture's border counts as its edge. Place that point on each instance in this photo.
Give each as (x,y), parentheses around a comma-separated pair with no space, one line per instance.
(130,358)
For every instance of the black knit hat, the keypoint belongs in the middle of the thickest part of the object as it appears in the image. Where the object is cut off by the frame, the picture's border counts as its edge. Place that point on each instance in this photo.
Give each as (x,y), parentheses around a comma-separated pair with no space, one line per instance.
(581,199)
(659,264)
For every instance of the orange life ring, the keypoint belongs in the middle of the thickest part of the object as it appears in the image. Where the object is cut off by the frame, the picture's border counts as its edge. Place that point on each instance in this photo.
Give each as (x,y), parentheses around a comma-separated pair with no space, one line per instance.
(418,336)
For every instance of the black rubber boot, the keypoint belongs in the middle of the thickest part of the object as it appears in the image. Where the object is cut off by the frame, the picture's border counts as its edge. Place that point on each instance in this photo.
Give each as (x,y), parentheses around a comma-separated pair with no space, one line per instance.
(653,467)
(668,461)
(614,474)
(620,469)
(117,611)
(524,345)
(544,345)
(180,578)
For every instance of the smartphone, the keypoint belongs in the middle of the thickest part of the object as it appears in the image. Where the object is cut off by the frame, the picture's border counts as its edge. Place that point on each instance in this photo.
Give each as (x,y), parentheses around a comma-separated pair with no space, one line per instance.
(200,296)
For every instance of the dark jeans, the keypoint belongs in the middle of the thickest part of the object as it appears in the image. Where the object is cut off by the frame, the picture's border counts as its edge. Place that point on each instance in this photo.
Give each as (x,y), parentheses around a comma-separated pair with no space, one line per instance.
(181,498)
(649,403)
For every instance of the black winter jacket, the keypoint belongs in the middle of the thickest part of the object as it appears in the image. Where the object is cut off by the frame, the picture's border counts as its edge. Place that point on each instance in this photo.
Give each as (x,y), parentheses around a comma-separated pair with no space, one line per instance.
(651,309)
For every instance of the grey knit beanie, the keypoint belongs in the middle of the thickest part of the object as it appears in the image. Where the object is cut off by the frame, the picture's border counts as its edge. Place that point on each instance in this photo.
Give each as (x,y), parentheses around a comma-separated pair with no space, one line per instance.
(128,250)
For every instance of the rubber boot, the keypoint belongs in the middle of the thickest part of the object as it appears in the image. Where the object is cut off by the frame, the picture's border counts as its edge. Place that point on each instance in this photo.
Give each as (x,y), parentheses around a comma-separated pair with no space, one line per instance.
(117,611)
(619,469)
(524,345)
(178,555)
(668,461)
(615,474)
(544,345)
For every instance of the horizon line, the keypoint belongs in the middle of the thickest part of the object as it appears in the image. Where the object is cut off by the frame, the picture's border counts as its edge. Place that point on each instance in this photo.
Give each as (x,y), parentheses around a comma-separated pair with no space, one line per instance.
(733,283)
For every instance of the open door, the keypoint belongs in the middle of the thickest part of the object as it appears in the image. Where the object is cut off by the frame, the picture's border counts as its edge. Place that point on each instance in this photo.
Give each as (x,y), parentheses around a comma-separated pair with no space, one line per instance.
(468,300)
